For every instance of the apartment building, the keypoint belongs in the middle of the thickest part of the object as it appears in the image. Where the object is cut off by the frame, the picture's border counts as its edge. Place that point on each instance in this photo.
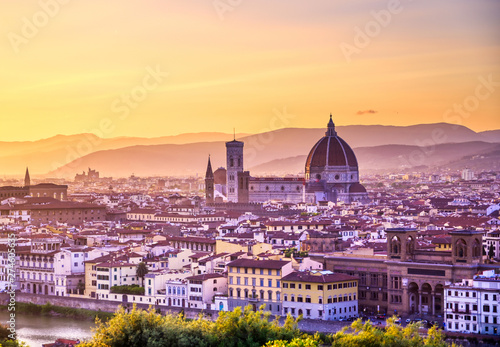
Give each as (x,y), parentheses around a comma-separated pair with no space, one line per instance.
(256,283)
(473,306)
(320,295)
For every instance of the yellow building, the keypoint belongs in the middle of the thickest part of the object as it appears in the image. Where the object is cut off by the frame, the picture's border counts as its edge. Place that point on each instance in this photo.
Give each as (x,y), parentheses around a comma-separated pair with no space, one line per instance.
(90,279)
(320,295)
(442,243)
(256,282)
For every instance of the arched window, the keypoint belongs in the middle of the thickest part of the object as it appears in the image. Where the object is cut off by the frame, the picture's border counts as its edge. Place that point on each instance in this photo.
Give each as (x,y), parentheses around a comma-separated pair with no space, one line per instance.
(476,249)
(461,249)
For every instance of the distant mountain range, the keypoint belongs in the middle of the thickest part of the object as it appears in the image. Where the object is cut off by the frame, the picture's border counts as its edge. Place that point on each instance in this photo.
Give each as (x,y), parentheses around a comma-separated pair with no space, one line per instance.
(276,152)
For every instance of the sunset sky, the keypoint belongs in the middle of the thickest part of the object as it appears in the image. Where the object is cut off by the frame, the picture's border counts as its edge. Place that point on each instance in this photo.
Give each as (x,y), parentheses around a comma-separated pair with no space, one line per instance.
(254,65)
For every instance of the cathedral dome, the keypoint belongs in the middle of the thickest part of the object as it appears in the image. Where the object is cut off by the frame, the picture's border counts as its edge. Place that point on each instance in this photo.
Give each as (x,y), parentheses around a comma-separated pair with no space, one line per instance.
(357,188)
(332,151)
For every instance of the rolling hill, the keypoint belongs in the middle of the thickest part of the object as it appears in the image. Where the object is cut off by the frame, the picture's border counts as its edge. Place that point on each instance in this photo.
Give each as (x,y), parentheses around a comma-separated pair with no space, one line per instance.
(271,151)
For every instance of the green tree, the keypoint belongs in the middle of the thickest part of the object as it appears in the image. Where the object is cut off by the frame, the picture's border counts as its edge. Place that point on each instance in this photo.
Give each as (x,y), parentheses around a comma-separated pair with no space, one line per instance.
(307,341)
(80,287)
(361,335)
(142,270)
(5,341)
(239,328)
(491,253)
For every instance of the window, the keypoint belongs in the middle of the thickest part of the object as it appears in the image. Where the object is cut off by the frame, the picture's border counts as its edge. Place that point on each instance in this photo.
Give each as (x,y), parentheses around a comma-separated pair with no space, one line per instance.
(308,287)
(269,283)
(300,299)
(320,287)
(285,285)
(308,299)
(292,285)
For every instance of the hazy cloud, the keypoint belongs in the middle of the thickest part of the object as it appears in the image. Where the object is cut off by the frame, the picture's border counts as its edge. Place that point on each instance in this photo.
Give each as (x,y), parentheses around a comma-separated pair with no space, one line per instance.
(366,111)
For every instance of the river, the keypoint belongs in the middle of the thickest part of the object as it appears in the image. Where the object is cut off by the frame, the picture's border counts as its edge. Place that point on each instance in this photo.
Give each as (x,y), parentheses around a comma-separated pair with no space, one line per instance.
(36,330)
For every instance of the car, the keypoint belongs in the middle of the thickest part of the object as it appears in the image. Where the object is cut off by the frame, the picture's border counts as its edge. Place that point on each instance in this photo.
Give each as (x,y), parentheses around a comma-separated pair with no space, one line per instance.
(408,320)
(397,321)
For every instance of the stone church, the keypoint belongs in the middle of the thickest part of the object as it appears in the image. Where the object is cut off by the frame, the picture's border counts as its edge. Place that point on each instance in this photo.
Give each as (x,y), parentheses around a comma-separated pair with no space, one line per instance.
(331,174)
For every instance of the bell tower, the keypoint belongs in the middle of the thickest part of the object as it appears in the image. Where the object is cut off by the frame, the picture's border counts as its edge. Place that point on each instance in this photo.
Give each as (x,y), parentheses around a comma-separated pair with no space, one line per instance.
(209,183)
(466,247)
(234,156)
(27,180)
(401,244)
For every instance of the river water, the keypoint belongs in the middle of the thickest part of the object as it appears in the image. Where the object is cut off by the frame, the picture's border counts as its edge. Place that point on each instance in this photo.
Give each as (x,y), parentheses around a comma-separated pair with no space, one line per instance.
(36,330)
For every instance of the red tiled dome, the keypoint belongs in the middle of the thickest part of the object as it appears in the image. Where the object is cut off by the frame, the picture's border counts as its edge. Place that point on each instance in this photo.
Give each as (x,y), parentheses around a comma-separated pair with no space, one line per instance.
(331,150)
(357,188)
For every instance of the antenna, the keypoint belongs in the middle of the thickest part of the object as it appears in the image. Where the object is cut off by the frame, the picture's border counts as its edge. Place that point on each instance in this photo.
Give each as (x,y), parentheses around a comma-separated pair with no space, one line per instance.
(234,134)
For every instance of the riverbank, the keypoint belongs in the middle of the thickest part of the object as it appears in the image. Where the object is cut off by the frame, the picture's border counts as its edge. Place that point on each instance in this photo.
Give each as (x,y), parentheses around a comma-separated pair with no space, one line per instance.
(59,311)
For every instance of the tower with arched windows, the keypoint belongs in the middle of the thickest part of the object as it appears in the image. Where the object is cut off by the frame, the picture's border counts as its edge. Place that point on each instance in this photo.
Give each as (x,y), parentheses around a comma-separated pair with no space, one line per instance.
(401,244)
(234,157)
(466,247)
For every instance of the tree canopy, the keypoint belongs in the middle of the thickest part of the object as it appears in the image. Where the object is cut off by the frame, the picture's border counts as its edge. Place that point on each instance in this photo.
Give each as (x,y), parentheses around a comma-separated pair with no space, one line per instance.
(246,328)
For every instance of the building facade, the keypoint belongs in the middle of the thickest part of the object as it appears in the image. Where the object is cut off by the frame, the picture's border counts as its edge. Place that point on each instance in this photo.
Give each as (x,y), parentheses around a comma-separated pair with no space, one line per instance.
(473,306)
(407,280)
(320,295)
(256,283)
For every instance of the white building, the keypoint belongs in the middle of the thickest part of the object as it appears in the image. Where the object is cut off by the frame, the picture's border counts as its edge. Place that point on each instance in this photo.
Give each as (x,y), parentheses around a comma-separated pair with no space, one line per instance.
(115,273)
(467,174)
(69,270)
(473,305)
(492,239)
(203,288)
(36,265)
(176,293)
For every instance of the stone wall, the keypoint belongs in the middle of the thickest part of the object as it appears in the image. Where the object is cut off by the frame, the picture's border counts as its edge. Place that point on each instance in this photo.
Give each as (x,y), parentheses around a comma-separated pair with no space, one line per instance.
(93,304)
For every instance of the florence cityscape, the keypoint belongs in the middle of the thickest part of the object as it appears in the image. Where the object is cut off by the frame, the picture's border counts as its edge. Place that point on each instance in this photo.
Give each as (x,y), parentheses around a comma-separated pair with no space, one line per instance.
(236,173)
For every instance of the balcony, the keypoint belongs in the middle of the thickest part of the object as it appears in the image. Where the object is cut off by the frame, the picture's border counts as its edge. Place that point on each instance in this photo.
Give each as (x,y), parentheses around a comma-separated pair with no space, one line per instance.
(253,298)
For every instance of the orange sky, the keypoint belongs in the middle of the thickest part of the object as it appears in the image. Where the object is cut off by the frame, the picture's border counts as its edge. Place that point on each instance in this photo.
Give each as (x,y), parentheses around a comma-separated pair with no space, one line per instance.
(258,65)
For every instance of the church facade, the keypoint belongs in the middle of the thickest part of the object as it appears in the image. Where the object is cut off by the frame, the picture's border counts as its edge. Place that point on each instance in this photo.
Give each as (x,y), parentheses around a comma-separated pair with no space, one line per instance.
(56,191)
(331,174)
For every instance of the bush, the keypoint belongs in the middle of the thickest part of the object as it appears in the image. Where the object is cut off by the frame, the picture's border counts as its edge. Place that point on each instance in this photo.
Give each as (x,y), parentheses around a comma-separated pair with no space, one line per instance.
(133,289)
(239,328)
